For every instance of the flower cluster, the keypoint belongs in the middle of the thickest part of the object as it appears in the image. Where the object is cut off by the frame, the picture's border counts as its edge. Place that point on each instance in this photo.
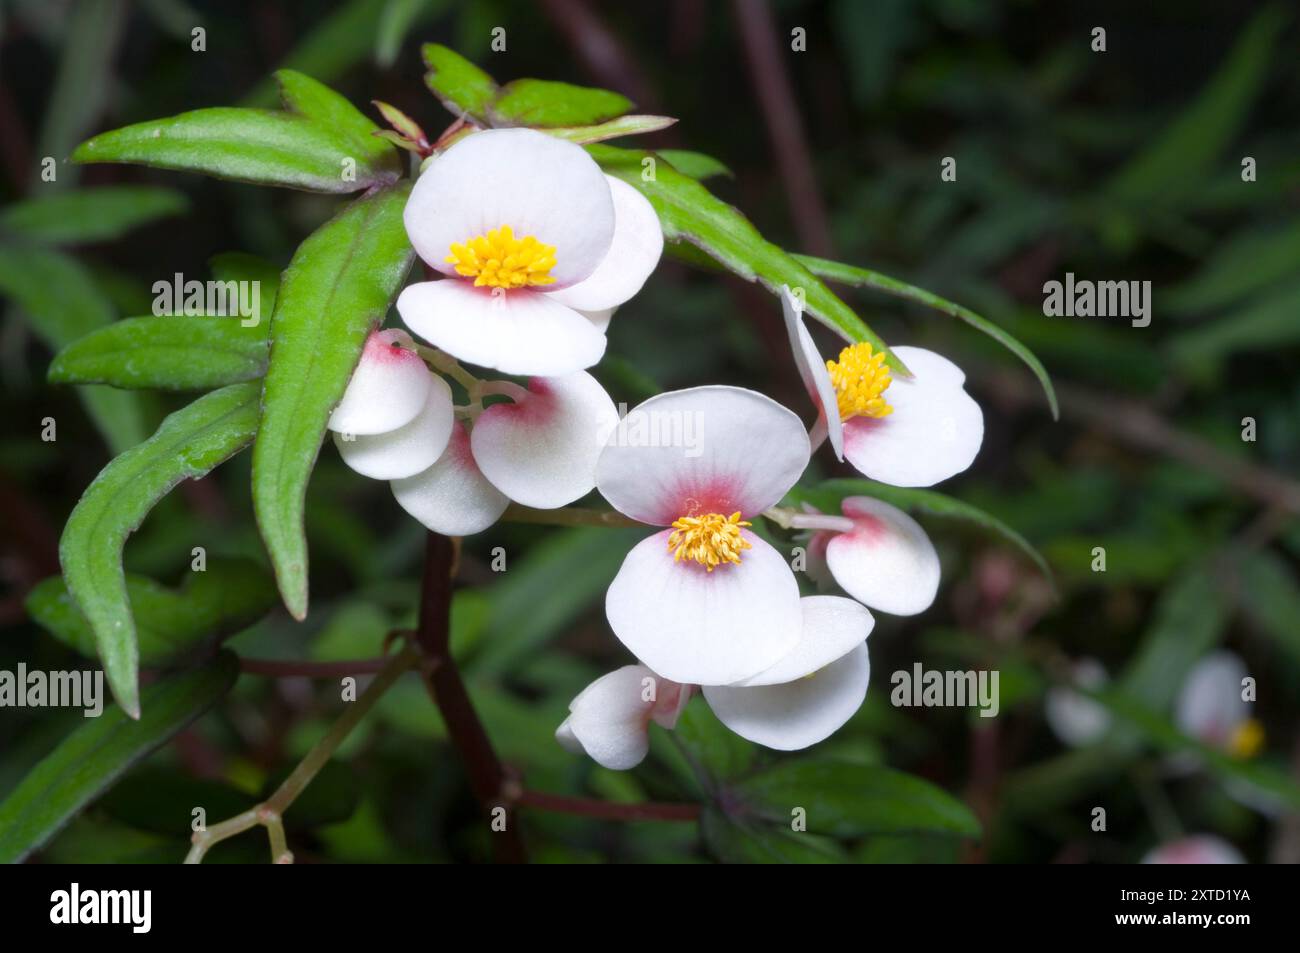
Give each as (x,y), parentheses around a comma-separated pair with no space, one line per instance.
(536,248)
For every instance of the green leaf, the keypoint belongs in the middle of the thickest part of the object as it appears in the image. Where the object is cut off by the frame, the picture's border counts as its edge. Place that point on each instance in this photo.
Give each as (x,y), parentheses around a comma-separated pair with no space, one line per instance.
(695,164)
(97,753)
(614,129)
(865,278)
(241,266)
(851,800)
(1239,267)
(90,215)
(62,302)
(539,102)
(337,288)
(320,142)
(188,444)
(735,842)
(459,85)
(227,597)
(1265,322)
(711,746)
(828,495)
(1183,154)
(688,212)
(1269,595)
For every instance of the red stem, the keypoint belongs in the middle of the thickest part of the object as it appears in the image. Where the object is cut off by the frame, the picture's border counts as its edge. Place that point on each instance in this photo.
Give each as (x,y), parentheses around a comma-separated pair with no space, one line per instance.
(607,810)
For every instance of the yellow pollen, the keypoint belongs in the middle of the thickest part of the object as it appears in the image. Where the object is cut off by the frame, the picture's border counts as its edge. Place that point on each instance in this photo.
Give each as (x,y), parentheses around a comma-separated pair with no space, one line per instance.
(860,378)
(710,540)
(499,260)
(1247,740)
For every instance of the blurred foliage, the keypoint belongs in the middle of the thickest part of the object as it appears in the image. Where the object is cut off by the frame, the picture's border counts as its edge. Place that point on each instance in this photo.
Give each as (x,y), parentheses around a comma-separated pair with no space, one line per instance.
(1123,165)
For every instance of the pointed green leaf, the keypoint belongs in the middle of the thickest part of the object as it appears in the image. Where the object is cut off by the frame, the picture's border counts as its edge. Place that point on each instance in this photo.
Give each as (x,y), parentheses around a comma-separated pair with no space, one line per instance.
(711,746)
(688,212)
(97,753)
(695,164)
(227,597)
(90,215)
(319,143)
(539,102)
(615,128)
(338,286)
(459,85)
(739,842)
(188,444)
(851,800)
(865,278)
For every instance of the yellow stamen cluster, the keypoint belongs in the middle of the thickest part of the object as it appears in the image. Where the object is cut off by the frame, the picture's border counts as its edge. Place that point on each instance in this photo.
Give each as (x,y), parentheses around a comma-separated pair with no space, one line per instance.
(860,378)
(499,260)
(1247,740)
(710,540)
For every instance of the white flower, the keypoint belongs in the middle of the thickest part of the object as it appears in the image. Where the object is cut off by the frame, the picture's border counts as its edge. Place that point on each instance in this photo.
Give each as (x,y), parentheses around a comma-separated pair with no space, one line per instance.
(1074,717)
(1211,708)
(610,718)
(886,561)
(802,699)
(907,431)
(1196,849)
(395,418)
(539,449)
(704,601)
(531,236)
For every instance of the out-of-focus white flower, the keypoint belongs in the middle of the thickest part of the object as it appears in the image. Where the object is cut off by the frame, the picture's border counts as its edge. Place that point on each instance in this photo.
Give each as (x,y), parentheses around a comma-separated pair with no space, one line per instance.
(704,601)
(1212,710)
(1196,849)
(538,247)
(802,699)
(912,431)
(885,561)
(1074,717)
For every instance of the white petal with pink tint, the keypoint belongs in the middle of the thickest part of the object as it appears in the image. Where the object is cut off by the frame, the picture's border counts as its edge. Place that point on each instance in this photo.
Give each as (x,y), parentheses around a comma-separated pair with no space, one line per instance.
(812,370)
(542,451)
(700,627)
(388,388)
(934,432)
(519,331)
(407,450)
(610,717)
(832,628)
(452,497)
(537,184)
(794,715)
(1197,849)
(638,242)
(702,450)
(1210,706)
(1078,719)
(887,561)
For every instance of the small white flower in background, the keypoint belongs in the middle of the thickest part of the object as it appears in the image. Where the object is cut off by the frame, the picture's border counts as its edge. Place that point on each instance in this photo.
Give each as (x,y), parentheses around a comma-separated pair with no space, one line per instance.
(804,698)
(395,418)
(538,246)
(704,601)
(1196,849)
(886,561)
(1211,709)
(902,431)
(1074,717)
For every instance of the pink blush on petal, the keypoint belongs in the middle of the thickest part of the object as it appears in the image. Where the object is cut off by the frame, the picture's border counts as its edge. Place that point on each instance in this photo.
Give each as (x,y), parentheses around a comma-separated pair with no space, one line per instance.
(390,347)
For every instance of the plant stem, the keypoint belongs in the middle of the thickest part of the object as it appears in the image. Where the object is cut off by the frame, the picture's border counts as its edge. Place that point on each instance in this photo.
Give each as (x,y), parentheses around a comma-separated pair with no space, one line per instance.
(569,516)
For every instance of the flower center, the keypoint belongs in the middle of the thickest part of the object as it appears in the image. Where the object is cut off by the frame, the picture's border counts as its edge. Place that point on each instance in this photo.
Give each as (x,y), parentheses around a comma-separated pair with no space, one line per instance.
(499,260)
(860,378)
(1246,740)
(710,540)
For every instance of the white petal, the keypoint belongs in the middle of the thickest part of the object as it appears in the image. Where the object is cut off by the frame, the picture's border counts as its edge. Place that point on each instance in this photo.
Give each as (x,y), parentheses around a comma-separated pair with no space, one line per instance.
(452,497)
(611,716)
(812,371)
(407,450)
(518,332)
(632,256)
(1074,717)
(796,714)
(388,388)
(1197,849)
(567,739)
(537,184)
(700,627)
(702,450)
(542,451)
(832,628)
(887,562)
(1210,706)
(934,432)
(599,319)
